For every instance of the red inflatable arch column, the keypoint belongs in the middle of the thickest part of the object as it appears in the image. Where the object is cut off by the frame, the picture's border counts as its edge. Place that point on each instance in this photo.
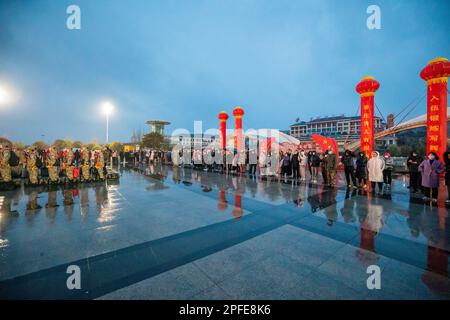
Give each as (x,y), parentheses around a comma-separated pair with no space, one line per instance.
(223,117)
(436,74)
(238,113)
(366,89)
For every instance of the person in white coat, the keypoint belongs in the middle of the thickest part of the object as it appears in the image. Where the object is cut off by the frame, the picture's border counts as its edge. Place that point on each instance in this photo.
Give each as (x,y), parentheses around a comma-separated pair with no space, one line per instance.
(303,163)
(375,167)
(262,164)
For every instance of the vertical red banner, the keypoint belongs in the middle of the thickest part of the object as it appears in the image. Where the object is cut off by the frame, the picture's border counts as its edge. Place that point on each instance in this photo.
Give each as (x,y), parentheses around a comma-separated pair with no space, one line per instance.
(366,89)
(367,118)
(436,74)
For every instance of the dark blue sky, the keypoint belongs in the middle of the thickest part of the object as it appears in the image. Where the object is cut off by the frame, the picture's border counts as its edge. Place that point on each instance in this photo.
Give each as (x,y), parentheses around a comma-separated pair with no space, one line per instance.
(187,60)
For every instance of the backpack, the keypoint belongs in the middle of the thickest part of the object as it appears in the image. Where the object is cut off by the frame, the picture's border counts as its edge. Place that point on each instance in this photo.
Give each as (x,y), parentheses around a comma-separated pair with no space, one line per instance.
(38,162)
(14,160)
(44,172)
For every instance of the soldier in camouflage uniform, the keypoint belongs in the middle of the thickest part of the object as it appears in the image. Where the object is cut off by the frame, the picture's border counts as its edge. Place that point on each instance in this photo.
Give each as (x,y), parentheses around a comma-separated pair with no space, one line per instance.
(5,168)
(52,165)
(32,167)
(85,164)
(100,164)
(68,165)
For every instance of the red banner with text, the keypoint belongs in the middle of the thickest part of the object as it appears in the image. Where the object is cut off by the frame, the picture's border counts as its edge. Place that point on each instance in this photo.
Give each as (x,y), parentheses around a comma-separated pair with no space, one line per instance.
(437,118)
(367,124)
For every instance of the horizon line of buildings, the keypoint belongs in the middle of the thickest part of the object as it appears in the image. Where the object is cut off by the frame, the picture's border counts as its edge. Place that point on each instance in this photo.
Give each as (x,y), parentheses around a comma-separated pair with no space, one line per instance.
(342,128)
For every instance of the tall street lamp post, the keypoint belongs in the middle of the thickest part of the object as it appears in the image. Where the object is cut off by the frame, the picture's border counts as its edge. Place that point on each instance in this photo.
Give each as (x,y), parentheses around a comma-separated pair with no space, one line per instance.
(107,108)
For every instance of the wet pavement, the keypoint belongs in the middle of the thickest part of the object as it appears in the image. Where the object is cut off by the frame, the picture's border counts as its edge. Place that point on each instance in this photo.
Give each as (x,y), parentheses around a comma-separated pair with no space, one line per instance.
(175,233)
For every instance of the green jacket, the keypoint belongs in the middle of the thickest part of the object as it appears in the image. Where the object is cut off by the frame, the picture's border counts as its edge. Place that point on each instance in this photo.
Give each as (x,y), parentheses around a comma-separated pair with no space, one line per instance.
(330,162)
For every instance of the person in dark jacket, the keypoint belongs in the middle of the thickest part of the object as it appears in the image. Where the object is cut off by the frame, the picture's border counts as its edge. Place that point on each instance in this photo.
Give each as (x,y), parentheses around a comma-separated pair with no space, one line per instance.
(361,169)
(447,173)
(295,163)
(314,164)
(286,168)
(252,160)
(349,169)
(413,163)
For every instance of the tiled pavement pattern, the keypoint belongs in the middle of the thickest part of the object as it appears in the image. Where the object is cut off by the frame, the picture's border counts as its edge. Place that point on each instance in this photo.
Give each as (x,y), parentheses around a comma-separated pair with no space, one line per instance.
(168,233)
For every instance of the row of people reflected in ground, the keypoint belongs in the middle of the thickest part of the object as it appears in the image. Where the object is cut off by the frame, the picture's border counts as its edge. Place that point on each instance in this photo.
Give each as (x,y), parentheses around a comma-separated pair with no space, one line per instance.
(361,171)
(52,166)
(52,197)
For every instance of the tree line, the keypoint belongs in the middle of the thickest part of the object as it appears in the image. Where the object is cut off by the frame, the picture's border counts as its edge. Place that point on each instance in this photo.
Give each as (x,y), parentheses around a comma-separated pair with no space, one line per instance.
(67,143)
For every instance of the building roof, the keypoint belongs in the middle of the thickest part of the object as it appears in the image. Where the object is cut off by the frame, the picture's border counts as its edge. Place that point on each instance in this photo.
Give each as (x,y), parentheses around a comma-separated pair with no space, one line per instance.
(199,135)
(324,119)
(157,122)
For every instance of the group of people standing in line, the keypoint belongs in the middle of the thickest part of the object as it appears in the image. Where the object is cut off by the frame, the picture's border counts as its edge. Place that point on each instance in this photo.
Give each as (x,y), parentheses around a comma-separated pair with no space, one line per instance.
(145,155)
(360,170)
(52,166)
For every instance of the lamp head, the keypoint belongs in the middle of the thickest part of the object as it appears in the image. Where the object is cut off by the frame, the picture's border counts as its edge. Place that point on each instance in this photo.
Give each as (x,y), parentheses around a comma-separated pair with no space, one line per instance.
(107,108)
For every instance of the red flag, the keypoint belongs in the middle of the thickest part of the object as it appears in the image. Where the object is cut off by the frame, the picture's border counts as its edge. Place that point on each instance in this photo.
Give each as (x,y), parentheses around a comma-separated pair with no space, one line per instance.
(325,143)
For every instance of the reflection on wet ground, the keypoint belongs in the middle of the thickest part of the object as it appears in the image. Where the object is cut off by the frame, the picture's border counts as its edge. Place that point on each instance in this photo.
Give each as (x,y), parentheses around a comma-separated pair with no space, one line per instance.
(175,233)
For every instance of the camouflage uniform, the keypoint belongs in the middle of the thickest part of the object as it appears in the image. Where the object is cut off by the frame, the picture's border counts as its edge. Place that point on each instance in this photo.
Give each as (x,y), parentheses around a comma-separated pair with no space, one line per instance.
(100,165)
(32,168)
(51,166)
(85,168)
(68,165)
(5,168)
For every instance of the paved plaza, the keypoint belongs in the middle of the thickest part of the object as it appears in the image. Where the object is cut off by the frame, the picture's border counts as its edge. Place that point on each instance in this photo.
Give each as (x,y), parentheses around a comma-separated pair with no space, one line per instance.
(176,233)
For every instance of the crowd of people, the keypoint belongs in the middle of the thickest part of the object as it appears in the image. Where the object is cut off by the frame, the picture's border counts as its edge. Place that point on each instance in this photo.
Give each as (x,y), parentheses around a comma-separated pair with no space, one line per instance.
(52,166)
(145,155)
(360,170)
